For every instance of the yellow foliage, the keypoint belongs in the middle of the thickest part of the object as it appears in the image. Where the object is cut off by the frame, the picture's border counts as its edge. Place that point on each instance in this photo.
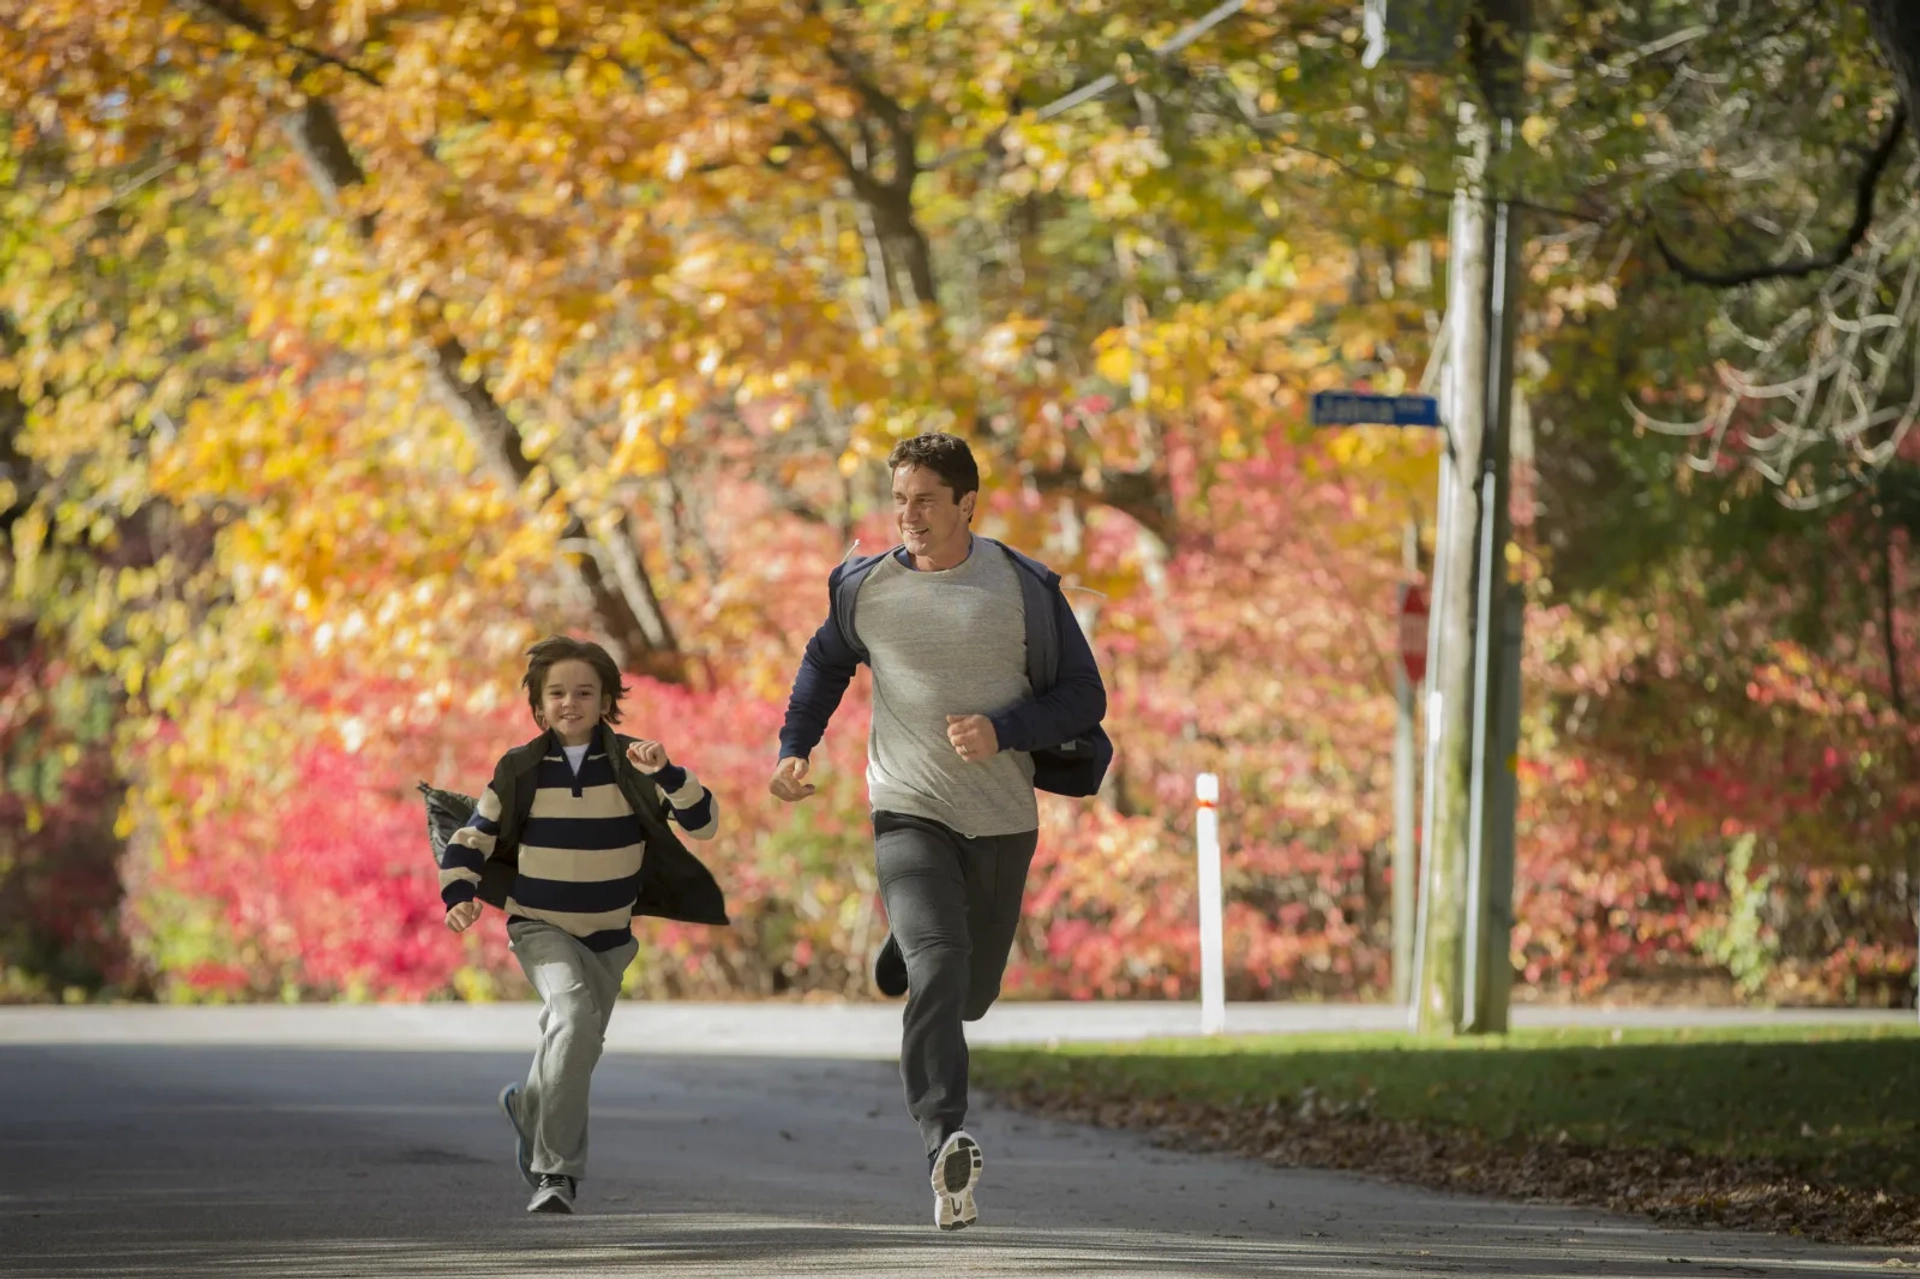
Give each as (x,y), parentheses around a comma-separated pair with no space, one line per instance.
(647,234)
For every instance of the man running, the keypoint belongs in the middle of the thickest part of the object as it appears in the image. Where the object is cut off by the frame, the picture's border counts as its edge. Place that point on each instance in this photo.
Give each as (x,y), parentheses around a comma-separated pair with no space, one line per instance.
(984,688)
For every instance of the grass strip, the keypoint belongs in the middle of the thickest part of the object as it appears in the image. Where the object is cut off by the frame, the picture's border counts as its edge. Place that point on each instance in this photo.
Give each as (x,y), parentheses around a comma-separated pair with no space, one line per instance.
(1808,1129)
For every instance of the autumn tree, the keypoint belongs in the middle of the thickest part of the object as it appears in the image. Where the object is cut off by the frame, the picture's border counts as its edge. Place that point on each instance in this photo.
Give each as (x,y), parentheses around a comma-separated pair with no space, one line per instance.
(352,345)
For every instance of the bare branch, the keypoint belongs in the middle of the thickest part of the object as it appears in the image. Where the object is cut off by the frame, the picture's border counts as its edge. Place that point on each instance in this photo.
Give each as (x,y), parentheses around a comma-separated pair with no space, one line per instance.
(1144,495)
(234,12)
(614,579)
(1864,191)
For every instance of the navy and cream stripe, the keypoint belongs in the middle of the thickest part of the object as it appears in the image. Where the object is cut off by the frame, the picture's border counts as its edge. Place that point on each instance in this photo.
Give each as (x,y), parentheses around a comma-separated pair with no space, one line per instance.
(581,849)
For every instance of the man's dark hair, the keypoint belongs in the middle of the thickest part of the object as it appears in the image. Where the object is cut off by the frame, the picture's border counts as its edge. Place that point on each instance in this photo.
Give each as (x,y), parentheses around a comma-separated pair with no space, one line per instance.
(545,655)
(947,456)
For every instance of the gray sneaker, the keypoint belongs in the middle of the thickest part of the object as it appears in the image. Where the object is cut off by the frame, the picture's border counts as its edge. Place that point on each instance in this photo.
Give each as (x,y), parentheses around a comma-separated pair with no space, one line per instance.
(555,1194)
(522,1149)
(956,1171)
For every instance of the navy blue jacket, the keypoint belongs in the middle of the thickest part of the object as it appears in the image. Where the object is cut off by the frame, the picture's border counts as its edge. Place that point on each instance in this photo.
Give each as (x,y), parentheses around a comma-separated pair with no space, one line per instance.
(1060,727)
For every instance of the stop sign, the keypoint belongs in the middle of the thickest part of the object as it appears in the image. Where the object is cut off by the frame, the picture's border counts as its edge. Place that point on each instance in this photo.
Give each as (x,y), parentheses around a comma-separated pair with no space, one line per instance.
(1413,631)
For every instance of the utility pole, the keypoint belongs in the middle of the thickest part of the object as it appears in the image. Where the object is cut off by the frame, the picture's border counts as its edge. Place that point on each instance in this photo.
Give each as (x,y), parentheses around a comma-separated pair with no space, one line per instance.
(1466,912)
(1497,36)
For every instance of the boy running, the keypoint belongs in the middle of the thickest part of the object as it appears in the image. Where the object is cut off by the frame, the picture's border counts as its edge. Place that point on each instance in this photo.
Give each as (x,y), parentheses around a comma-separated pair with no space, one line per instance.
(571,840)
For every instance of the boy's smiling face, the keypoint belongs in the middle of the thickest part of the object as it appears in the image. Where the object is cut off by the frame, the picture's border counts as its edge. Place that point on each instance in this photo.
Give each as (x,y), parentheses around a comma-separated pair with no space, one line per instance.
(572,702)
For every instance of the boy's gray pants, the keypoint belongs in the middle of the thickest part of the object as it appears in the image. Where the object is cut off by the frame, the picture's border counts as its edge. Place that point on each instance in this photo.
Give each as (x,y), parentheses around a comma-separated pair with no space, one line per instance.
(953,904)
(577,990)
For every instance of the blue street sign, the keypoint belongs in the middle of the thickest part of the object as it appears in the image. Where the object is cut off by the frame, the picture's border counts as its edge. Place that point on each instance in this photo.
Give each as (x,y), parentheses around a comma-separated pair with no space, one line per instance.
(1349,408)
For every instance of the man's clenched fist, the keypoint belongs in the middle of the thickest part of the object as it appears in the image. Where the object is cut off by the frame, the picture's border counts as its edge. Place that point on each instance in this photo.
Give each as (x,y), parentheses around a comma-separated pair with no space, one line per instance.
(790,780)
(973,737)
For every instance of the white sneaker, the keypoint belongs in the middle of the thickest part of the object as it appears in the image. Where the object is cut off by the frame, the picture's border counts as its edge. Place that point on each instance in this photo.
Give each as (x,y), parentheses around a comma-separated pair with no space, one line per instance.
(956,1171)
(554,1195)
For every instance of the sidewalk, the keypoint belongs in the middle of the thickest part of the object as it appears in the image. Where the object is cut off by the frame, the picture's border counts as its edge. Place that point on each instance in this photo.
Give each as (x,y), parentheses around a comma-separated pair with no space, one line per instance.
(786,1029)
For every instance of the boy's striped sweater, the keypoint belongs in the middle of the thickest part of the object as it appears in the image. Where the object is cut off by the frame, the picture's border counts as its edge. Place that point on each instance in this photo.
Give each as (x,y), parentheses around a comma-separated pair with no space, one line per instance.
(581,848)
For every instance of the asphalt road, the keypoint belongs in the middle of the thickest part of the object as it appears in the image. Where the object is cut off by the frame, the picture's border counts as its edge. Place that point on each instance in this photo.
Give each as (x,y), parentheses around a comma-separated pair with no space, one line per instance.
(197,1153)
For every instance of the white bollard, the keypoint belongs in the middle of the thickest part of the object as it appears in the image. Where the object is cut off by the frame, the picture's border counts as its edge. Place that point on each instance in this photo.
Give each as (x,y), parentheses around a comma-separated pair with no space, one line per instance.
(1213,983)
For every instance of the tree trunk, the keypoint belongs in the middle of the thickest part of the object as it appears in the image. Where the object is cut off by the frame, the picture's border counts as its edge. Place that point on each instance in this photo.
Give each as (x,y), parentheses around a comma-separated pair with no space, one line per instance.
(904,243)
(1896,26)
(14,465)
(1890,621)
(611,570)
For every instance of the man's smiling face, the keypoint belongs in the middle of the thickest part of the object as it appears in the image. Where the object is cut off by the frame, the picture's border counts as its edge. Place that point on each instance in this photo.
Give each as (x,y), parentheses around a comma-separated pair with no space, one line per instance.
(932,521)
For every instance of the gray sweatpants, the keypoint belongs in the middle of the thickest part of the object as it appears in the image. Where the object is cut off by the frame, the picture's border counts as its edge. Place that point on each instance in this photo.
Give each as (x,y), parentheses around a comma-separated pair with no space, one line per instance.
(954,905)
(577,989)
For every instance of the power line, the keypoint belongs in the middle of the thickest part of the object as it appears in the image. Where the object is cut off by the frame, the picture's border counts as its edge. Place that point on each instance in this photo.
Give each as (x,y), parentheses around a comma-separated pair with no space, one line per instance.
(1181,39)
(1097,88)
(1193,31)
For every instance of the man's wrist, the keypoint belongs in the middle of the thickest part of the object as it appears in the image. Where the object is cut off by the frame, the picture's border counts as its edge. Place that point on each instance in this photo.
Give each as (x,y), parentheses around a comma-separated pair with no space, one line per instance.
(1002,731)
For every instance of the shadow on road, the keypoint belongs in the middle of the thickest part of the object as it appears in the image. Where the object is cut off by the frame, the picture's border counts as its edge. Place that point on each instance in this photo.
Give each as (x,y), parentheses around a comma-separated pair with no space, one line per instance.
(742,1245)
(164,1162)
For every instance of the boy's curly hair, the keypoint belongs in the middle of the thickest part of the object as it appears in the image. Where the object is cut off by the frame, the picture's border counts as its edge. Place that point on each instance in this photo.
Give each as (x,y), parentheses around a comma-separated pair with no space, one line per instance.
(542,658)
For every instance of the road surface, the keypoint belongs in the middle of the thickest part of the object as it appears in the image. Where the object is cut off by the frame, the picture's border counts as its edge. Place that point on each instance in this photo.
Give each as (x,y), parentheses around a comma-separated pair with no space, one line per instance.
(317,1142)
